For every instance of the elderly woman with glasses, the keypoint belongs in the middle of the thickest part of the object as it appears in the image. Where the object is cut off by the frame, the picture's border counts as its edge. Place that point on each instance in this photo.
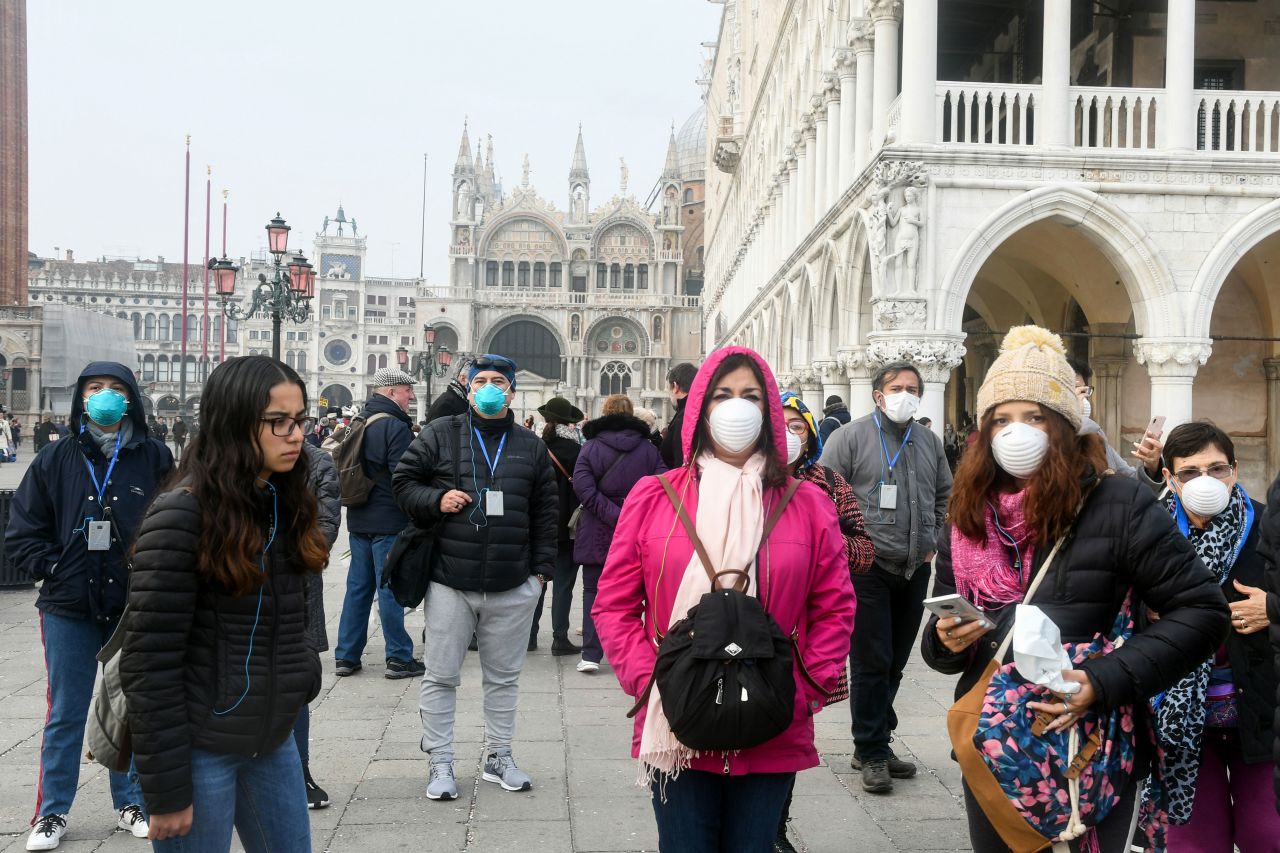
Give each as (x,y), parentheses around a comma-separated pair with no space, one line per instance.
(1215,726)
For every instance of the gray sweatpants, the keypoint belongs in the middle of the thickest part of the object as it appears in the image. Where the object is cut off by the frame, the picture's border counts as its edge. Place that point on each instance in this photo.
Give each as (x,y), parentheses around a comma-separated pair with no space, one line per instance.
(501,623)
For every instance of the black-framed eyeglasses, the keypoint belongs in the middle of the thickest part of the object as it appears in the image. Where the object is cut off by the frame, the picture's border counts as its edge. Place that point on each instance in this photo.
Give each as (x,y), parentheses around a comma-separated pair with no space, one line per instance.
(1221,471)
(797,427)
(284,427)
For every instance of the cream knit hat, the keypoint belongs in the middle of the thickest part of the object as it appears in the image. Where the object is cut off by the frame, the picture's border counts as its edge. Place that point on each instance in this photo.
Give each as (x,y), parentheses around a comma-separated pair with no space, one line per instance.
(1032,366)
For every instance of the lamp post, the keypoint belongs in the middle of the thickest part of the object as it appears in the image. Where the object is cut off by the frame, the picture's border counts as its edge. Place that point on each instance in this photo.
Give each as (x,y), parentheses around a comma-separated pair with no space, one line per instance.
(427,364)
(286,296)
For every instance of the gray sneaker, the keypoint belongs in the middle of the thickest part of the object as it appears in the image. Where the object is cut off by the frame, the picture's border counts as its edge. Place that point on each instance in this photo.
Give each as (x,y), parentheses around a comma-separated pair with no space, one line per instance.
(441,784)
(500,767)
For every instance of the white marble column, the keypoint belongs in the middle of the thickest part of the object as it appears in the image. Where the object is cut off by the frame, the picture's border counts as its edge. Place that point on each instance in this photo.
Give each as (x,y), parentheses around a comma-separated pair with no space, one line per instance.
(831,100)
(847,113)
(780,214)
(1055,122)
(1178,110)
(859,373)
(886,16)
(1172,364)
(819,158)
(810,173)
(920,71)
(864,106)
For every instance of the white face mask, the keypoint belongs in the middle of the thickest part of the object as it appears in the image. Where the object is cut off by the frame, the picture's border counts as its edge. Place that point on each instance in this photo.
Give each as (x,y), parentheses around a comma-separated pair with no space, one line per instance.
(795,445)
(1205,496)
(735,424)
(901,407)
(1087,407)
(1019,449)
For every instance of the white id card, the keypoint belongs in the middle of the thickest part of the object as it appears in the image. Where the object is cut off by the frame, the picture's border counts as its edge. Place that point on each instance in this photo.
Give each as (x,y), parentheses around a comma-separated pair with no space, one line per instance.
(493,503)
(888,496)
(99,536)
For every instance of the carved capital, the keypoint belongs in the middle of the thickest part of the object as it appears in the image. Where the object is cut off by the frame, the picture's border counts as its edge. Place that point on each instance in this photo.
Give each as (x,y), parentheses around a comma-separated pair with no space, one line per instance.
(829,372)
(880,10)
(934,356)
(1172,357)
(830,88)
(846,62)
(1272,368)
(785,380)
(900,313)
(862,35)
(855,364)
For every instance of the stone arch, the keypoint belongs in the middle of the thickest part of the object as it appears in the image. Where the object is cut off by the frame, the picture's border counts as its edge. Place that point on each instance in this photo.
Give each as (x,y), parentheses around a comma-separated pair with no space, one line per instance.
(452,329)
(827,322)
(624,218)
(1142,268)
(492,333)
(593,328)
(1222,259)
(551,225)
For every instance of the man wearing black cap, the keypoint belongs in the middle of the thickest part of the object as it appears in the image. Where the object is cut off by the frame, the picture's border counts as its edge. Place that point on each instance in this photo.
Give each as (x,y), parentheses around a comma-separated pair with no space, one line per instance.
(485,485)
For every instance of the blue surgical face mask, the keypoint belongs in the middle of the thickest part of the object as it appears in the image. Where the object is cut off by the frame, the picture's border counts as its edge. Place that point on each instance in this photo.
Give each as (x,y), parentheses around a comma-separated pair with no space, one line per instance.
(106,407)
(489,399)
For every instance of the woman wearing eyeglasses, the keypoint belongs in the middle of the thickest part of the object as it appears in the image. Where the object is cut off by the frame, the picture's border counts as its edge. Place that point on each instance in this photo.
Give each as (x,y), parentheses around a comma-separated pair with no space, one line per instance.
(1215,725)
(216,664)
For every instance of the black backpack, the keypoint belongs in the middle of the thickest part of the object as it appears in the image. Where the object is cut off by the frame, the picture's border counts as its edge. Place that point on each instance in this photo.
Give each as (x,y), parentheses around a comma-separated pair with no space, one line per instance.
(725,671)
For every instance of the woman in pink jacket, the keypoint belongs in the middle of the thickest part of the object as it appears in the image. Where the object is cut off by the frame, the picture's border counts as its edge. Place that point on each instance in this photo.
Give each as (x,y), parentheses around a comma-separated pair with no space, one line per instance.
(735,447)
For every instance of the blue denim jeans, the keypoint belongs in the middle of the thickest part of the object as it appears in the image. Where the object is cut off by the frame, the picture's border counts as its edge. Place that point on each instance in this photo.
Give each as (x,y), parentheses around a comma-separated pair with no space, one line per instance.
(710,813)
(368,553)
(262,798)
(70,646)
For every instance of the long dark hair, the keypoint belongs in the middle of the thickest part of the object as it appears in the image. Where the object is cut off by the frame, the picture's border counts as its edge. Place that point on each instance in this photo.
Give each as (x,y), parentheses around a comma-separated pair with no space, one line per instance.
(1053,492)
(775,472)
(221,468)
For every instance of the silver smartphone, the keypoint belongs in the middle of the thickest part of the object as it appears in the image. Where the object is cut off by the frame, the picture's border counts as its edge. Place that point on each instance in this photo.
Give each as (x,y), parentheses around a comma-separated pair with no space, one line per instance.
(950,606)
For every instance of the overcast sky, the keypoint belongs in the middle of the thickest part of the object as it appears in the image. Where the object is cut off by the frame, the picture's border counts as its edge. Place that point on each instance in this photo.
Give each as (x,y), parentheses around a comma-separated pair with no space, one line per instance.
(300,105)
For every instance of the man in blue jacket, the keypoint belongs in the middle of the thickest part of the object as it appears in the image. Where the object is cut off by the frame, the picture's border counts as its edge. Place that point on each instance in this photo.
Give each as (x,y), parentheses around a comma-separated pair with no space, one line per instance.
(372,530)
(72,522)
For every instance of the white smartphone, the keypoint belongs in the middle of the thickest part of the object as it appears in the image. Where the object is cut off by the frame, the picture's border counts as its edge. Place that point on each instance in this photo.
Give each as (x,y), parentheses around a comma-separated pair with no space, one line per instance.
(1155,429)
(950,606)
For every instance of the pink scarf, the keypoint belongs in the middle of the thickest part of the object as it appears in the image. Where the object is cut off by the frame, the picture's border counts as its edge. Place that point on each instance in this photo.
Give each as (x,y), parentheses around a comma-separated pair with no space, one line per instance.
(984,571)
(730,530)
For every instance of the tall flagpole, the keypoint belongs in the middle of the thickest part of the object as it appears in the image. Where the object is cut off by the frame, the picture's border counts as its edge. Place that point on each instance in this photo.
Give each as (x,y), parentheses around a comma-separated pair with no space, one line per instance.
(422,249)
(204,321)
(186,234)
(222,327)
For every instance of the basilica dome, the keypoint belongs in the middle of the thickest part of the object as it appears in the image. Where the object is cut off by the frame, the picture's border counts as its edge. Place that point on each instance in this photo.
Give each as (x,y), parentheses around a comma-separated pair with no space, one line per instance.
(691,146)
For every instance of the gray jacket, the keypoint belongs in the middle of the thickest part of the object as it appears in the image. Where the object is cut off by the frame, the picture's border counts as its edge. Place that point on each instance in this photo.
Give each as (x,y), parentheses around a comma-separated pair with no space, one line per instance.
(1117,462)
(904,537)
(324,483)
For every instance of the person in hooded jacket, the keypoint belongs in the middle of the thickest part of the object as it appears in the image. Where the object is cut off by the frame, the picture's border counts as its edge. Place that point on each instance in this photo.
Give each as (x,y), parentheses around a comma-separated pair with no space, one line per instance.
(564,441)
(734,441)
(105,475)
(617,455)
(453,401)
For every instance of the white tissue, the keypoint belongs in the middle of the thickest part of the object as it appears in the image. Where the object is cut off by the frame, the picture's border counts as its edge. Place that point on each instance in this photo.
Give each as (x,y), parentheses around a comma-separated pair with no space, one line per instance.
(1037,650)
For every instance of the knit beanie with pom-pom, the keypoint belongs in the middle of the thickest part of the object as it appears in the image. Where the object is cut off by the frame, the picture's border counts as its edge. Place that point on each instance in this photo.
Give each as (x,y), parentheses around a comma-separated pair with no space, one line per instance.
(1032,366)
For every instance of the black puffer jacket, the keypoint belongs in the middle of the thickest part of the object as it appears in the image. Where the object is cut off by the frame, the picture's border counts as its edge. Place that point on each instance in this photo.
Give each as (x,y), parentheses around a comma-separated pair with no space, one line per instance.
(474,553)
(566,451)
(1122,539)
(185,647)
(1269,550)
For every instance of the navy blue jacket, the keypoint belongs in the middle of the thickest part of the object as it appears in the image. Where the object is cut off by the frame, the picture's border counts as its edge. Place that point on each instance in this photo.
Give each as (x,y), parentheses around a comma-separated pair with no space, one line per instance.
(46,533)
(384,443)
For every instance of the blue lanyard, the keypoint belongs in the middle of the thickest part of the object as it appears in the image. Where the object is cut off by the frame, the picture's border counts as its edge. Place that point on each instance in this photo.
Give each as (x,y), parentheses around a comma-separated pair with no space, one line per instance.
(101,488)
(1184,524)
(885,447)
(497,457)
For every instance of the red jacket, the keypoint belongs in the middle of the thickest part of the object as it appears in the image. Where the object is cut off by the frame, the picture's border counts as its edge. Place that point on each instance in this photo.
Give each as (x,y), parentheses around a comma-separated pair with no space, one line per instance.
(803,576)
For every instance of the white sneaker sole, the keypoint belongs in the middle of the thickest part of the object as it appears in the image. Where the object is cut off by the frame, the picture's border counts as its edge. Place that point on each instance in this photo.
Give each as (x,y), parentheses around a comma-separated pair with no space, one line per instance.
(44,843)
(588,667)
(497,780)
(444,796)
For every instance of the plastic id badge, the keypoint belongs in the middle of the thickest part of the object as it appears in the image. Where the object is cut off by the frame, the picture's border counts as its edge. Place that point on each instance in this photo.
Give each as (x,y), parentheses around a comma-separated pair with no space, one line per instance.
(493,504)
(99,536)
(888,496)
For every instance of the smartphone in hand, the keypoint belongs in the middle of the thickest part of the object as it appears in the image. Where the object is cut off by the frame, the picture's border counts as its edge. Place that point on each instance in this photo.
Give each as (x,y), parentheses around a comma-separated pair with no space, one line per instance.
(951,606)
(1155,429)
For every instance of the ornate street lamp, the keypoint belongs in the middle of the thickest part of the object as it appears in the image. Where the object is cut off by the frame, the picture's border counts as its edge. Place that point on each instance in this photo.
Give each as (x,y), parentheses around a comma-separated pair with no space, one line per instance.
(427,364)
(286,296)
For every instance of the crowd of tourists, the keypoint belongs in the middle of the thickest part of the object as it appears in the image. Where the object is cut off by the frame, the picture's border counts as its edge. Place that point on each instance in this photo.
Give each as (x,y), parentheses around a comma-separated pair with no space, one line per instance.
(1109,616)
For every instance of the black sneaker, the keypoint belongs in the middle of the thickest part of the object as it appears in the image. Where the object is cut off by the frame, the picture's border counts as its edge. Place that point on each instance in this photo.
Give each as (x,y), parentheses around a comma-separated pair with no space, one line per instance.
(898,768)
(561,646)
(533,643)
(317,797)
(875,777)
(403,668)
(782,844)
(343,668)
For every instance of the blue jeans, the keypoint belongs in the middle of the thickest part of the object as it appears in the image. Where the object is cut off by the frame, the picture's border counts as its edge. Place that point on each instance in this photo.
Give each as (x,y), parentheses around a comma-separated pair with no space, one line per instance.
(302,734)
(368,553)
(262,798)
(70,646)
(709,812)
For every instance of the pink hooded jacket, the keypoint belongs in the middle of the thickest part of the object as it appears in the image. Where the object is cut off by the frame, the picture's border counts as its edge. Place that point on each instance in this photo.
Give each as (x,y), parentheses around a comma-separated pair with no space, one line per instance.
(803,576)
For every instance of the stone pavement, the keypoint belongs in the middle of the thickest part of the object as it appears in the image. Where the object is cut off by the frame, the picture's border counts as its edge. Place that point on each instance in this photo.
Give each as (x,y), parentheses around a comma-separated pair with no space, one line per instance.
(571,736)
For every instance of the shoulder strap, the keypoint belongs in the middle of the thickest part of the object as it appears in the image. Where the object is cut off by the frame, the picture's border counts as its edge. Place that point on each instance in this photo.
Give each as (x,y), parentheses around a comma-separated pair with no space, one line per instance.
(457,455)
(777,510)
(556,462)
(616,462)
(703,557)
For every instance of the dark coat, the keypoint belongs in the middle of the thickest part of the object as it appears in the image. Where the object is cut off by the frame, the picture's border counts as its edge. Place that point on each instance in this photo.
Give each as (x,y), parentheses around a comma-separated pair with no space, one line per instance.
(452,401)
(385,441)
(324,485)
(1122,540)
(42,433)
(45,534)
(672,448)
(834,417)
(185,648)
(476,553)
(180,431)
(565,451)
(1269,550)
(607,438)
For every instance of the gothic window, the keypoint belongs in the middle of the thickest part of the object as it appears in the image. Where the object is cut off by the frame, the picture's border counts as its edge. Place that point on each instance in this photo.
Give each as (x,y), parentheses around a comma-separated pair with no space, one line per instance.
(217,329)
(232,329)
(149,367)
(149,327)
(642,281)
(508,274)
(539,274)
(137,327)
(602,276)
(382,361)
(162,368)
(629,277)
(657,329)
(190,367)
(523,274)
(302,362)
(555,274)
(688,196)
(164,327)
(288,358)
(615,378)
(371,364)
(192,329)
(491,274)
(325,312)
(175,329)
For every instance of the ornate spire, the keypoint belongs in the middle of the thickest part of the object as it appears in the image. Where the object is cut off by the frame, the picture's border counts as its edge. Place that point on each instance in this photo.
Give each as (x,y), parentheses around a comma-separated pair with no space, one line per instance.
(464,163)
(579,168)
(672,169)
(479,159)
